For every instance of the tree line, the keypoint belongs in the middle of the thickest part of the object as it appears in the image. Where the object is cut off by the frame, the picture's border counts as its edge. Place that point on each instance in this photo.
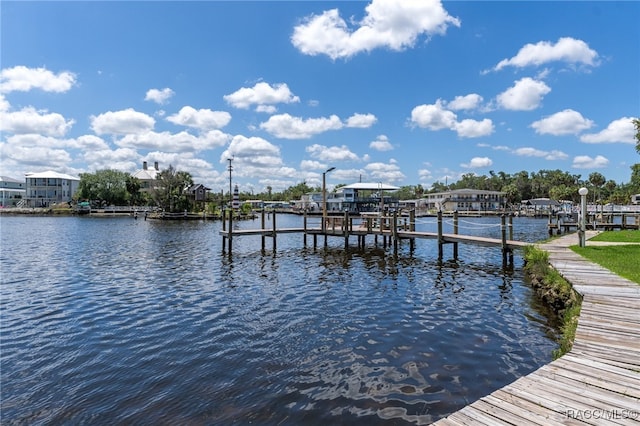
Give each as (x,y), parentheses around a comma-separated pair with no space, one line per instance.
(170,190)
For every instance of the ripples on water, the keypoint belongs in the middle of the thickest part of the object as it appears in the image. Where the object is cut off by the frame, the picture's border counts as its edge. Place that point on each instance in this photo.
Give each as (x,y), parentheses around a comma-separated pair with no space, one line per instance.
(113,320)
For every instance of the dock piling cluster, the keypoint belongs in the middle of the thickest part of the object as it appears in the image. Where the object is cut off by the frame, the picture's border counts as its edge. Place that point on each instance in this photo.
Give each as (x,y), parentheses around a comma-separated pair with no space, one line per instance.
(392,228)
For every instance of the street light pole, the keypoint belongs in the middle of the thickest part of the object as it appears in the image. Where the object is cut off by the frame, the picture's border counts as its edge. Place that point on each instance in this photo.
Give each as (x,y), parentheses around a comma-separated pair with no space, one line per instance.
(583,220)
(324,198)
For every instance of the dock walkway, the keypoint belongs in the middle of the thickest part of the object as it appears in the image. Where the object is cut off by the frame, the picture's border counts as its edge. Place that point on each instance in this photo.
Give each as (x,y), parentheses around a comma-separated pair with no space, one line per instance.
(598,381)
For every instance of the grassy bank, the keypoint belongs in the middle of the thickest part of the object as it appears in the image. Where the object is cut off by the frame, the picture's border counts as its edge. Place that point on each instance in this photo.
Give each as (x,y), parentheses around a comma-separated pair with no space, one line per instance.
(624,236)
(556,292)
(620,259)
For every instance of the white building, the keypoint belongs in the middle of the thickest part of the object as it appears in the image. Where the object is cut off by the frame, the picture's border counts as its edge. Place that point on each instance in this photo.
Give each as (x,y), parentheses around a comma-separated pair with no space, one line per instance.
(355,198)
(147,176)
(12,191)
(465,200)
(46,188)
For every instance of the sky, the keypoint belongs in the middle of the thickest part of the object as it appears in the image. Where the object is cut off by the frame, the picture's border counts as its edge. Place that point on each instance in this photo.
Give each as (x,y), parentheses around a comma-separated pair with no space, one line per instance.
(401,92)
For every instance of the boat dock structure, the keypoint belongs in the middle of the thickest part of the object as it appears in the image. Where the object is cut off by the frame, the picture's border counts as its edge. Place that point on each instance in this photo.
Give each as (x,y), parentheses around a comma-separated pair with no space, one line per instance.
(598,381)
(391,229)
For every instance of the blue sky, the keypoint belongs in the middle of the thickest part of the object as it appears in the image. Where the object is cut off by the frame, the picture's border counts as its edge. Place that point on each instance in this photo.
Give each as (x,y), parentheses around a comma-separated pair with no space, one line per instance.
(401,92)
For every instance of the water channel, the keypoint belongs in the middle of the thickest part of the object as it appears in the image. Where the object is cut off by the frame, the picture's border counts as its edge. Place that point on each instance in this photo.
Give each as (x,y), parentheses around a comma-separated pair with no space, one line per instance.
(123,321)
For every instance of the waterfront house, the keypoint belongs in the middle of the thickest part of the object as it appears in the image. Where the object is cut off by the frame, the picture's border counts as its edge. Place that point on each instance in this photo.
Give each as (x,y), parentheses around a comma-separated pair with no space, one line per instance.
(355,198)
(477,200)
(147,177)
(46,188)
(12,191)
(539,207)
(198,192)
(368,197)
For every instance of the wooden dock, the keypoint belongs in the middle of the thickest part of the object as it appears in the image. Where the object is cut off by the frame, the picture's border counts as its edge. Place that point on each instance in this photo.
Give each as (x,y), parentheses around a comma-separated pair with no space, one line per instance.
(391,228)
(598,381)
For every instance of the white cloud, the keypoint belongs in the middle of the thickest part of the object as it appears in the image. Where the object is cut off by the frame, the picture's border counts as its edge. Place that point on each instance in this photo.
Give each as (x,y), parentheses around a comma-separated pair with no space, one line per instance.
(34,156)
(23,79)
(473,129)
(86,143)
(267,109)
(567,122)
(381,144)
(620,130)
(28,120)
(122,122)
(566,49)
(586,162)
(252,156)
(425,175)
(119,159)
(393,24)
(312,165)
(437,117)
(174,142)
(202,171)
(331,154)
(525,95)
(285,126)
(477,162)
(433,117)
(202,119)
(385,172)
(362,121)
(467,102)
(4,104)
(91,142)
(262,95)
(547,155)
(159,96)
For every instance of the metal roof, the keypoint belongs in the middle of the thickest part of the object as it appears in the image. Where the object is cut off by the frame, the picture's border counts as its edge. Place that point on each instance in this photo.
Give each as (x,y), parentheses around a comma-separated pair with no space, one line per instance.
(541,202)
(51,175)
(370,186)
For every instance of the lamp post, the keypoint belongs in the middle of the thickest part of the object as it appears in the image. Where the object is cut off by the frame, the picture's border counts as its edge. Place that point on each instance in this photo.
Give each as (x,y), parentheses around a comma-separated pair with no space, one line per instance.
(583,220)
(324,198)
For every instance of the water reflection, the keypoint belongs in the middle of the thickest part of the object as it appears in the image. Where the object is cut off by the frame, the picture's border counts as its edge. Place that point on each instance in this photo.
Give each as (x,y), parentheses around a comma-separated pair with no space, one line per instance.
(148,322)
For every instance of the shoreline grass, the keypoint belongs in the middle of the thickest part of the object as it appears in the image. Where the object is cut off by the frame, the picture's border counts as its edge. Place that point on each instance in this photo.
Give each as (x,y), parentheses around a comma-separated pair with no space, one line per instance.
(619,259)
(557,293)
(623,236)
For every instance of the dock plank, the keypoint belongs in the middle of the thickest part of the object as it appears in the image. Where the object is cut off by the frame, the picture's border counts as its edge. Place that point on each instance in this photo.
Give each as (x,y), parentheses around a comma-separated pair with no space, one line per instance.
(598,381)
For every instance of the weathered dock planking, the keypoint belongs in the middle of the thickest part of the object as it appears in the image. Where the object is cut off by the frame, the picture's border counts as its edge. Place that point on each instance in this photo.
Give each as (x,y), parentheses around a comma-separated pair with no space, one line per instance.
(392,228)
(598,381)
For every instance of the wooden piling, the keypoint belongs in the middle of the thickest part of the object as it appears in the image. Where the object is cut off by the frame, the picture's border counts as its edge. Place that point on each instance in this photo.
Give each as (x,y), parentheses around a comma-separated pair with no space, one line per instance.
(262,223)
(455,231)
(394,231)
(304,227)
(412,228)
(224,228)
(230,229)
(273,215)
(440,239)
(345,228)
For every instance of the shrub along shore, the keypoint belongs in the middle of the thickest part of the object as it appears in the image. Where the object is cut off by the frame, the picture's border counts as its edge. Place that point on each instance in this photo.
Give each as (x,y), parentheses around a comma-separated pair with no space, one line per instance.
(619,257)
(556,293)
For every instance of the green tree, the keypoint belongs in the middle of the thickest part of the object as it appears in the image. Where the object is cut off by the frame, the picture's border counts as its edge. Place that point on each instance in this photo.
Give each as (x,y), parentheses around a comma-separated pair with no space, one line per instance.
(170,194)
(636,124)
(109,187)
(511,192)
(133,189)
(634,183)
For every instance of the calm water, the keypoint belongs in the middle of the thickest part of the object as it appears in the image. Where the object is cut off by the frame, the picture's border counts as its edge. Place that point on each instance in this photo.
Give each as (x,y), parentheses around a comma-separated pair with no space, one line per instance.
(122,321)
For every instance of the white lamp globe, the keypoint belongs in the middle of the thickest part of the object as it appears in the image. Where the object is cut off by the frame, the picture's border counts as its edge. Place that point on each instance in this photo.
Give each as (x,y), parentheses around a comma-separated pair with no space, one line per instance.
(583,191)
